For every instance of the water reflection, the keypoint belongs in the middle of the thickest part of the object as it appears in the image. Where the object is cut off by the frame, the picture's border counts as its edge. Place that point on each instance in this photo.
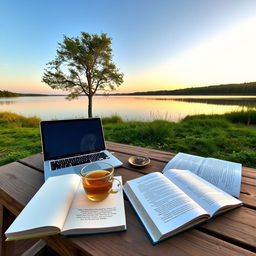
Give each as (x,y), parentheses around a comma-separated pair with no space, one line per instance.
(145,108)
(6,102)
(249,102)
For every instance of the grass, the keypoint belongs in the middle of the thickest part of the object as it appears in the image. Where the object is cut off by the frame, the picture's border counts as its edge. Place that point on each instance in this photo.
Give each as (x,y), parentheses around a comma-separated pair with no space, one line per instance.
(231,136)
(19,138)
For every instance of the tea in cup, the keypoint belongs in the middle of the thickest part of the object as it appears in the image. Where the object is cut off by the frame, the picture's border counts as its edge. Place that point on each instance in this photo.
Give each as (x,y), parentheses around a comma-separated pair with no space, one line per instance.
(98,180)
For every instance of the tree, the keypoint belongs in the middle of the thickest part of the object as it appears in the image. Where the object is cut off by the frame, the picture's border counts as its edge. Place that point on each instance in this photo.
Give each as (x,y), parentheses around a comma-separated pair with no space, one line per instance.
(83,65)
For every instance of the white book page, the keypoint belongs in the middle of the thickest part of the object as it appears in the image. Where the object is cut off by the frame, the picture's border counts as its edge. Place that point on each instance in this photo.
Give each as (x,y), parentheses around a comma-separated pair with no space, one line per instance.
(87,216)
(204,193)
(185,162)
(165,204)
(223,174)
(49,206)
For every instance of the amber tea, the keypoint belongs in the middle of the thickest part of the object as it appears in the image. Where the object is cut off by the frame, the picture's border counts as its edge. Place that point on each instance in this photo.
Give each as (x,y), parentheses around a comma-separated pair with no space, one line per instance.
(98,183)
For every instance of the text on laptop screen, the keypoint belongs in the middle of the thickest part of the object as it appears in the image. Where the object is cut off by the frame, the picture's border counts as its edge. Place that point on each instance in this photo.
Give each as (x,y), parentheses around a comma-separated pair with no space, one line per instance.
(71,137)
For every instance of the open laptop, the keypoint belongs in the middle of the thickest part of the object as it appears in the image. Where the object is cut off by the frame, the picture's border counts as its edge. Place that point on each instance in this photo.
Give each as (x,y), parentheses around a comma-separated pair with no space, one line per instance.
(70,144)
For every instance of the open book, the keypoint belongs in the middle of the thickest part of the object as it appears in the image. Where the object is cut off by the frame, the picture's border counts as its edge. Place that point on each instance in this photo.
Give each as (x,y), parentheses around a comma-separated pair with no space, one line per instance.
(61,206)
(174,201)
(223,174)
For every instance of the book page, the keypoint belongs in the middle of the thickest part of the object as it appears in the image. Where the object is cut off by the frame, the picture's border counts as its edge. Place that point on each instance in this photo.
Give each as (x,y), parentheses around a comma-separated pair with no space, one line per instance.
(223,174)
(159,201)
(185,162)
(86,216)
(204,193)
(49,206)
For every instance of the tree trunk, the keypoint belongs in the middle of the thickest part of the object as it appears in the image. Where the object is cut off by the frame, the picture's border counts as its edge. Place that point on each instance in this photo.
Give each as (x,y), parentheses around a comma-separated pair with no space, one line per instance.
(89,105)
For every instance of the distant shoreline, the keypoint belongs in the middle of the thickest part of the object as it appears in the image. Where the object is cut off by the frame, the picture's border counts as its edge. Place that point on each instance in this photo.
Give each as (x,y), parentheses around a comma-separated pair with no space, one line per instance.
(132,95)
(242,89)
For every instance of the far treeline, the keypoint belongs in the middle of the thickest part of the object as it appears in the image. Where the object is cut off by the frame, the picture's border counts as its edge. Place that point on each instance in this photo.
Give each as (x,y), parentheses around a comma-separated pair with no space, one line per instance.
(223,89)
(7,94)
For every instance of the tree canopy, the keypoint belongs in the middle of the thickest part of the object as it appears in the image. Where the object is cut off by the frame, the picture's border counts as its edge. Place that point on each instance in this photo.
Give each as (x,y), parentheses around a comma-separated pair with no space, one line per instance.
(83,65)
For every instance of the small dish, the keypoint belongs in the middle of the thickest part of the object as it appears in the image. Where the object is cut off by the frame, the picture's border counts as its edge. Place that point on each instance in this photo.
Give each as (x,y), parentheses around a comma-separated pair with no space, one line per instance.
(139,161)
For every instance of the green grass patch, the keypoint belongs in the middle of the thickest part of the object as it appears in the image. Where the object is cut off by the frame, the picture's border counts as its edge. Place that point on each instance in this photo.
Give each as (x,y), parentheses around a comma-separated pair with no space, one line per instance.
(228,136)
(18,142)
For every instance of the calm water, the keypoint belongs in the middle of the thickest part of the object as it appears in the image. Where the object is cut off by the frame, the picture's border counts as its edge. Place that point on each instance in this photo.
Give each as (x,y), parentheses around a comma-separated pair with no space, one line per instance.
(144,108)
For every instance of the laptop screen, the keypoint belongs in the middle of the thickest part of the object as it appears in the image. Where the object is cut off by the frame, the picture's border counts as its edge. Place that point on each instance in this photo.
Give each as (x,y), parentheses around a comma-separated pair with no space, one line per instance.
(66,138)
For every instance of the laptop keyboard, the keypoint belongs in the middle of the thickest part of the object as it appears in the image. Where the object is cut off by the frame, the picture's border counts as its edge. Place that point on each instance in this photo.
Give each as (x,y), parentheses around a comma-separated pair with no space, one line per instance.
(62,163)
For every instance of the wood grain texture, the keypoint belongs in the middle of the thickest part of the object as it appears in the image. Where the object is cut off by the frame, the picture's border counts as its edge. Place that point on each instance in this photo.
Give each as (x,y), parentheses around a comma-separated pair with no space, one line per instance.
(237,226)
(134,150)
(34,161)
(248,195)
(250,173)
(18,183)
(134,241)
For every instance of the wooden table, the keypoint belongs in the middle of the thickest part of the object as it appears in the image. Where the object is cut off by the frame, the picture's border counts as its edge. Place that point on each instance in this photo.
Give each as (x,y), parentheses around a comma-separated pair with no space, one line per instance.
(233,233)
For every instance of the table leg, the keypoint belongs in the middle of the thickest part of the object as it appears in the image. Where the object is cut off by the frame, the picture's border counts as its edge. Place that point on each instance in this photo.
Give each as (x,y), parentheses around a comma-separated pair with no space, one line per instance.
(19,247)
(1,228)
(6,218)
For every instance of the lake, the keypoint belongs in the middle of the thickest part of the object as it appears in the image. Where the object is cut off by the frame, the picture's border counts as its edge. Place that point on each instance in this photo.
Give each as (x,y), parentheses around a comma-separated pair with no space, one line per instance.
(143,108)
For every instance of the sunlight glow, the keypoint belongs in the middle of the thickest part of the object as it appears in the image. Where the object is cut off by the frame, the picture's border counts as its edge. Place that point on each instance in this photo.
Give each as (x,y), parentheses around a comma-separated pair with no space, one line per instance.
(228,57)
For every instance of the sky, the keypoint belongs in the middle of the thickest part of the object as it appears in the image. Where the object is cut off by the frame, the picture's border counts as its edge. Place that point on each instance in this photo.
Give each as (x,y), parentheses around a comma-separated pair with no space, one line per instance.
(157,44)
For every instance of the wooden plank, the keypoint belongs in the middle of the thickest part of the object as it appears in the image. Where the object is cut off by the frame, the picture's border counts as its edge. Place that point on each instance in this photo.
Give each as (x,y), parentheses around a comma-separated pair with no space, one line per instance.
(249,172)
(249,180)
(135,150)
(237,226)
(248,195)
(18,183)
(135,242)
(34,161)
(161,155)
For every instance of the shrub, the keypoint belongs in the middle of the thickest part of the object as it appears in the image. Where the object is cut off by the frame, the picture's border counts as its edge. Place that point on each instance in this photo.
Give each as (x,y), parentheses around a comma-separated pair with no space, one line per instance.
(244,117)
(115,119)
(8,118)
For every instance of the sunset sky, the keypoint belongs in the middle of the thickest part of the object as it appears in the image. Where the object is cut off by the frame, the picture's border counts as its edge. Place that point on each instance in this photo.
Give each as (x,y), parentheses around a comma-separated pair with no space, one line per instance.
(157,44)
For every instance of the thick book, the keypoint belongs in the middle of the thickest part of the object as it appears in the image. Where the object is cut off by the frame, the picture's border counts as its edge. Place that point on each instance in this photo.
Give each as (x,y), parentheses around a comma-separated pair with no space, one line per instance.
(170,202)
(223,174)
(61,207)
